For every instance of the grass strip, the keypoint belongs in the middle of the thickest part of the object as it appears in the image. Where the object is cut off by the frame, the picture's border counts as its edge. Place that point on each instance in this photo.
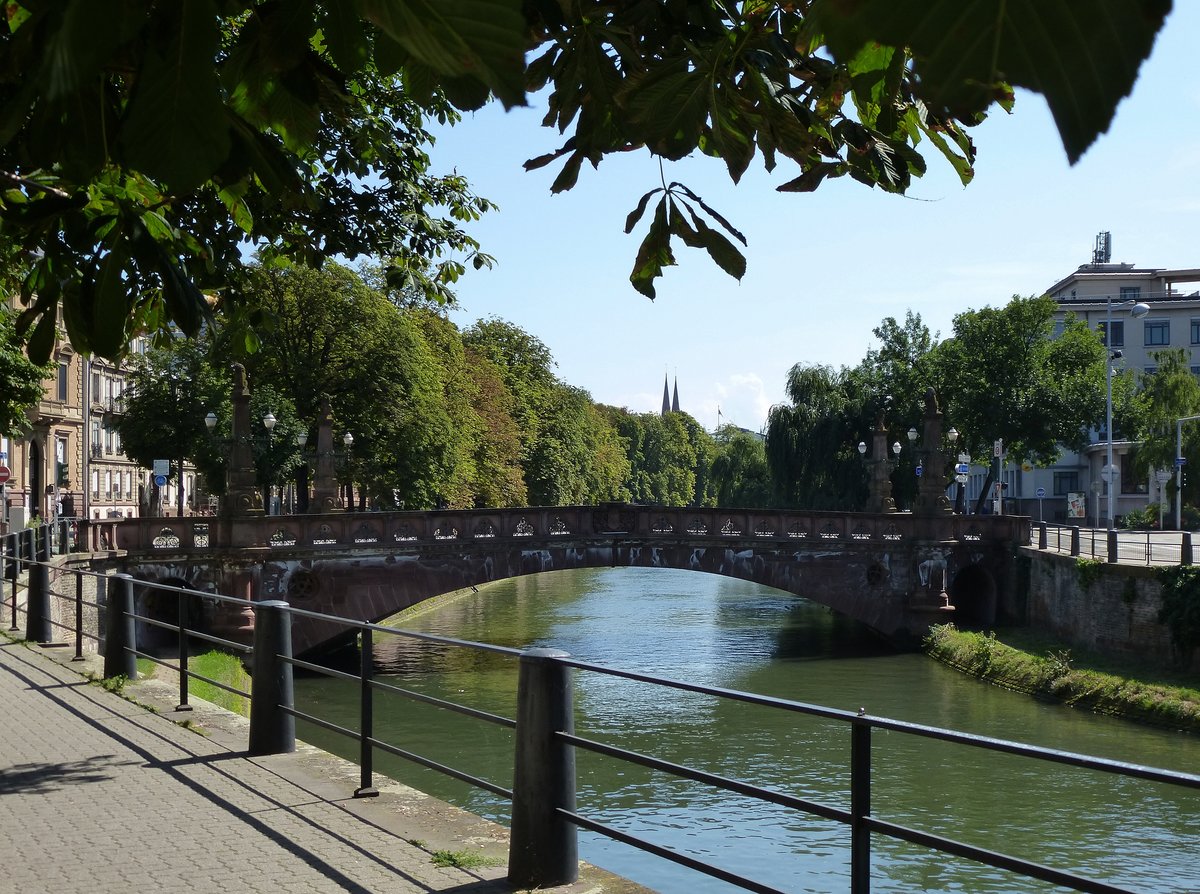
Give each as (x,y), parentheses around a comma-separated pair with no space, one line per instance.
(1057,674)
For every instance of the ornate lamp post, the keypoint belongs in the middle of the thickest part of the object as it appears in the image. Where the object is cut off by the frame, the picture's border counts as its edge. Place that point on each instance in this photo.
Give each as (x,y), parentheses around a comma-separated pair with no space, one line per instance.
(879,483)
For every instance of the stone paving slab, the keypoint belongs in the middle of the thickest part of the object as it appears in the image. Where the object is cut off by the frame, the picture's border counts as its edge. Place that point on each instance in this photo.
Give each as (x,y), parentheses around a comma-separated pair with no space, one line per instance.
(99,794)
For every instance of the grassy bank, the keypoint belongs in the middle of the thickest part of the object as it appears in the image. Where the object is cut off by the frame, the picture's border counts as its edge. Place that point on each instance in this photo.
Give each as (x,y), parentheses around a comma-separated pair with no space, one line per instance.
(220,666)
(1020,661)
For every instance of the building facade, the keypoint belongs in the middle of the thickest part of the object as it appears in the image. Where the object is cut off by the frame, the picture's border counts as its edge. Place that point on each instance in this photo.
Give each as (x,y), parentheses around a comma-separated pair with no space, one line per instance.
(70,463)
(1099,293)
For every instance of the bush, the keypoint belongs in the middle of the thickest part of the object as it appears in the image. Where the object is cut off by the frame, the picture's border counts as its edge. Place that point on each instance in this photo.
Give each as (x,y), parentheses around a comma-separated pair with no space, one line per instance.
(1144,519)
(1191,518)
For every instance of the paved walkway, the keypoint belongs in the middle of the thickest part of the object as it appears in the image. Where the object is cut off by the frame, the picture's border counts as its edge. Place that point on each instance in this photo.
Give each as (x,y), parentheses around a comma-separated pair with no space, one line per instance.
(98,795)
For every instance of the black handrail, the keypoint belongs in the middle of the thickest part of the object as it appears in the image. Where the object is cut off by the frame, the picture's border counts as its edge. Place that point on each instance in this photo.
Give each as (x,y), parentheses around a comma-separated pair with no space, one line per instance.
(859,818)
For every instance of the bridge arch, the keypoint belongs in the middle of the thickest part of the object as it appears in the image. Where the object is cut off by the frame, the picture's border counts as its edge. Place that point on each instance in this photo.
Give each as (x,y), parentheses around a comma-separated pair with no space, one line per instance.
(974,594)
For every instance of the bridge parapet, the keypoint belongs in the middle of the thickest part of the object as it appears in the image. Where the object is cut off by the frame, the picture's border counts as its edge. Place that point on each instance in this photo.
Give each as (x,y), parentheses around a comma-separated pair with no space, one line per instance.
(397,530)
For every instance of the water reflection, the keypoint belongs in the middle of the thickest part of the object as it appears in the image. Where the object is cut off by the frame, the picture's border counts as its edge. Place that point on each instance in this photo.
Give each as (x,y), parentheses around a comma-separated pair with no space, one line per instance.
(734,634)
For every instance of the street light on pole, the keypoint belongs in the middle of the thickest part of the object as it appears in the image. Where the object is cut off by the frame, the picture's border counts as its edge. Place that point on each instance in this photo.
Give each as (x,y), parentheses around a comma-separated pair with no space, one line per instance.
(1179,461)
(269,423)
(1138,310)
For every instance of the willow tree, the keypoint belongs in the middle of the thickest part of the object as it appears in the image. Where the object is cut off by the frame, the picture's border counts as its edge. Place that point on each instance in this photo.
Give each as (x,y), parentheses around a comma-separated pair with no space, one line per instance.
(812,442)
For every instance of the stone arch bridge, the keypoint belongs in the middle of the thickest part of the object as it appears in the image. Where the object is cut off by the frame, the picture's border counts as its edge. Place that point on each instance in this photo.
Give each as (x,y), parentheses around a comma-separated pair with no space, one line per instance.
(895,572)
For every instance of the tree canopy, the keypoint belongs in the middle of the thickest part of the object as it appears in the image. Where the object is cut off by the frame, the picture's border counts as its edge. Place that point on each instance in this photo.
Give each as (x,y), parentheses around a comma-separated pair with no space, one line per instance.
(143,144)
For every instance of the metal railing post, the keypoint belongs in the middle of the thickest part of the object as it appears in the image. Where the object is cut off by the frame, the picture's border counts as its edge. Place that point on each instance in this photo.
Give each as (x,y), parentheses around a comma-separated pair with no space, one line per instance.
(78,617)
(1113,555)
(1185,548)
(366,753)
(37,597)
(120,638)
(181,615)
(1042,541)
(543,846)
(860,807)
(272,725)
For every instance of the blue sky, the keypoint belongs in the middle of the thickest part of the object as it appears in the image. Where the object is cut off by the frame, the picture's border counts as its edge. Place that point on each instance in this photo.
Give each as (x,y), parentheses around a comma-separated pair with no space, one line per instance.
(826,267)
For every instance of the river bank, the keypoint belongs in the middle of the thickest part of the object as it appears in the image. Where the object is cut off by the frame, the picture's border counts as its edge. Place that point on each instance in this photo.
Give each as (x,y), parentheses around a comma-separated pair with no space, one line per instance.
(1020,660)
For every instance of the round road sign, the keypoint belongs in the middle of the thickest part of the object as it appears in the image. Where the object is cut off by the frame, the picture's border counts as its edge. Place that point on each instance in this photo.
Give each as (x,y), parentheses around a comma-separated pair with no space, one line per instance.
(160,480)
(1040,492)
(5,474)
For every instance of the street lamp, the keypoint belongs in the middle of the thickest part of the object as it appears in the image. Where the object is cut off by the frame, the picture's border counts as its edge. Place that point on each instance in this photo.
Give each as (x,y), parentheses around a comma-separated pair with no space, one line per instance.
(348,440)
(269,424)
(1138,310)
(1179,469)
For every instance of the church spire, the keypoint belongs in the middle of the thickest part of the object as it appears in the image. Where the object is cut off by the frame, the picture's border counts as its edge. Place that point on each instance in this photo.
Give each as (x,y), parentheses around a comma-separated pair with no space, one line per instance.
(675,399)
(666,397)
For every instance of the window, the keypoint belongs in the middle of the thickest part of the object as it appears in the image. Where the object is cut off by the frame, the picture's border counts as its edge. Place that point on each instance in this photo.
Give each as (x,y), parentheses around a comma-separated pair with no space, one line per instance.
(1066,483)
(1150,370)
(1196,332)
(1130,483)
(1195,371)
(64,373)
(96,385)
(95,483)
(108,484)
(1059,326)
(1158,332)
(1118,334)
(1131,293)
(128,486)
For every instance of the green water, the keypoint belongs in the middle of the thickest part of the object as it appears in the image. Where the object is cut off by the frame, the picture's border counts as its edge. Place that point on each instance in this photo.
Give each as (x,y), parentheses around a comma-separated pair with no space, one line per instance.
(734,634)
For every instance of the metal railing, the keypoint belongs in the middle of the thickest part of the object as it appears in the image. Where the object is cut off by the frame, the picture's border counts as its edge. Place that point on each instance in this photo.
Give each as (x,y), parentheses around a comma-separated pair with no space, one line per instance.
(1126,546)
(545,817)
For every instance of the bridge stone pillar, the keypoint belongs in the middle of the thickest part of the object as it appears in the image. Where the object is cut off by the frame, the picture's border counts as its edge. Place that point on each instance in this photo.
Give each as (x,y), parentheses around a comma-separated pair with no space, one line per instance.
(325,497)
(879,484)
(931,488)
(242,494)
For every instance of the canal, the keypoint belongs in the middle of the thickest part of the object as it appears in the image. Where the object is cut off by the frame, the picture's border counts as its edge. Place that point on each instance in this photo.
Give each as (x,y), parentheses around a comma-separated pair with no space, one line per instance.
(739,635)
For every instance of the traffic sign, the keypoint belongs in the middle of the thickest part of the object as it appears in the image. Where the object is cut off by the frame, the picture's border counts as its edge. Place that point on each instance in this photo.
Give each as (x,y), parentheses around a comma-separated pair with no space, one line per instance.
(160,480)
(1040,492)
(998,448)
(919,471)
(1180,461)
(5,474)
(162,467)
(962,469)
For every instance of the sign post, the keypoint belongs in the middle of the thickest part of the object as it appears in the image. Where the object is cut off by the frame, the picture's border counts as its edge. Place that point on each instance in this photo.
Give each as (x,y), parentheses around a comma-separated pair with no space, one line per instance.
(5,474)
(1039,493)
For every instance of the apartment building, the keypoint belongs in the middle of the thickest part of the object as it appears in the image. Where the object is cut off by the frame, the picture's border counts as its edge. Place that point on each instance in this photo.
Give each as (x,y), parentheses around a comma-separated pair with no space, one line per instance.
(1100,293)
(71,463)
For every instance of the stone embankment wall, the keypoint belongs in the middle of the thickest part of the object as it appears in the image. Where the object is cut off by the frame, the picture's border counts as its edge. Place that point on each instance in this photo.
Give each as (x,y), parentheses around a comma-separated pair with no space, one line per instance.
(1112,609)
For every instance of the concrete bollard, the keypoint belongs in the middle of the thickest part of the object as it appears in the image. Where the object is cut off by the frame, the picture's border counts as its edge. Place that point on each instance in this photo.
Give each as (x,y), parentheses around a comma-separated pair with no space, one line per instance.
(120,631)
(272,726)
(1042,540)
(1074,540)
(1185,548)
(1112,547)
(543,847)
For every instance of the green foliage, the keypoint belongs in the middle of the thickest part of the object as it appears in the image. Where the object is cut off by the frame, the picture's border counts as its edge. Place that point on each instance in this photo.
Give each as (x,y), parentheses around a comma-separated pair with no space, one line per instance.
(224,667)
(20,378)
(1083,59)
(140,148)
(811,442)
(464,859)
(1181,605)
(1088,571)
(1143,518)
(740,476)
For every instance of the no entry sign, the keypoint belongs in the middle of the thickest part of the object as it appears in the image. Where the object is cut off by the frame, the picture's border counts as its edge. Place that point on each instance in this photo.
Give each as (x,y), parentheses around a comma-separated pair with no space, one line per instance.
(5,474)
